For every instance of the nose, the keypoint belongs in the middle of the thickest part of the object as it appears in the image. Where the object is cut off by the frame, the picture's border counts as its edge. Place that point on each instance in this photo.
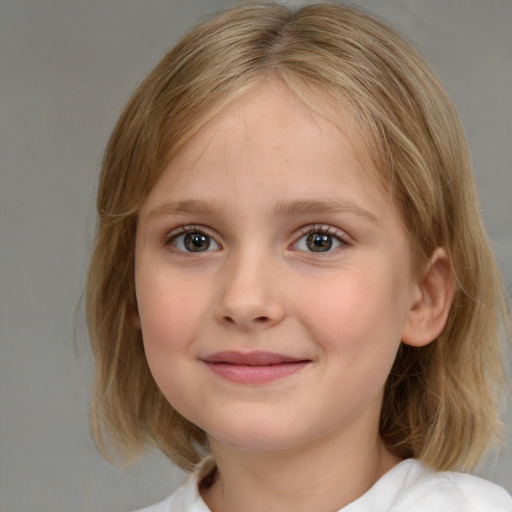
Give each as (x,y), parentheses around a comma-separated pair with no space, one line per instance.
(249,297)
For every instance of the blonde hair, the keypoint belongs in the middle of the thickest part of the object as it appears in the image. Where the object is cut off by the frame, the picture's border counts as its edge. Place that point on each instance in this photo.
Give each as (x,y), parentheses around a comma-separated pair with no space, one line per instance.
(441,400)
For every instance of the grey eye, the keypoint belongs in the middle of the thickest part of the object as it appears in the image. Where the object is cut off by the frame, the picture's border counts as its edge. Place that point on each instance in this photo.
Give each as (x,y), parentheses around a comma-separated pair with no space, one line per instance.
(194,242)
(318,242)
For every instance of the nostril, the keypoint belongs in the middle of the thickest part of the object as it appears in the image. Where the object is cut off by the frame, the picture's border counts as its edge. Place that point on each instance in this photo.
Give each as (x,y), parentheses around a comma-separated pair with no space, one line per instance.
(258,320)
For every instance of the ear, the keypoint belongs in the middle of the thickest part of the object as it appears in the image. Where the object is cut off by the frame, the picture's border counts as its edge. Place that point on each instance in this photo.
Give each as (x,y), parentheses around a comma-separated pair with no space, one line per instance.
(432,301)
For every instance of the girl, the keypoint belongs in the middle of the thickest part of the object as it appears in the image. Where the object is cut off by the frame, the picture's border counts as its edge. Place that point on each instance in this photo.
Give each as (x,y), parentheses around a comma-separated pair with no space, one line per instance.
(291,292)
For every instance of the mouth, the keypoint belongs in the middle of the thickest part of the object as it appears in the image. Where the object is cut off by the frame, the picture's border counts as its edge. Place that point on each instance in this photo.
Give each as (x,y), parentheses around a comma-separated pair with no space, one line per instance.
(253,367)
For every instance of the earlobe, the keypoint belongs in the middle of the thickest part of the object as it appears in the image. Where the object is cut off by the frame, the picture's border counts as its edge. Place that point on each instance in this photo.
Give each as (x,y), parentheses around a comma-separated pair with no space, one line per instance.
(434,295)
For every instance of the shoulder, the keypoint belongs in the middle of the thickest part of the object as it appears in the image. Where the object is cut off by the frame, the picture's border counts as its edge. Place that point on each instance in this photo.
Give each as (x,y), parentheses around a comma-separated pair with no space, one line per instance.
(408,486)
(458,491)
(412,486)
(477,492)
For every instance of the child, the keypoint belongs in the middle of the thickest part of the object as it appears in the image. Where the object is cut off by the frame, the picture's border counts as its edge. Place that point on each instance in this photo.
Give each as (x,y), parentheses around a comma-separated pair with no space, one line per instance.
(291,292)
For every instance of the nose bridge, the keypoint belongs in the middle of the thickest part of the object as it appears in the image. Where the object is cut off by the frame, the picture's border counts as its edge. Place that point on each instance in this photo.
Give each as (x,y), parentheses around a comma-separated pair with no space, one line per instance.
(249,290)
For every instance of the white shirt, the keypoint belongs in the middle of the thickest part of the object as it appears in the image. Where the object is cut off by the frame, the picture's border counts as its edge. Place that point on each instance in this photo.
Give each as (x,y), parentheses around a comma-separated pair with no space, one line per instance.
(408,487)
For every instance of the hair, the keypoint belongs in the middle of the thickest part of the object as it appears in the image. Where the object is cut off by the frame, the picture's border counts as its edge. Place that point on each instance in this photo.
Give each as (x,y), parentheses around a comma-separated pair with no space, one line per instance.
(441,401)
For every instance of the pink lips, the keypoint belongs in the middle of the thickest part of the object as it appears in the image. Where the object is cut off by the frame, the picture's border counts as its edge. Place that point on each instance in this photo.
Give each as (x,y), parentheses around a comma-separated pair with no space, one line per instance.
(253,367)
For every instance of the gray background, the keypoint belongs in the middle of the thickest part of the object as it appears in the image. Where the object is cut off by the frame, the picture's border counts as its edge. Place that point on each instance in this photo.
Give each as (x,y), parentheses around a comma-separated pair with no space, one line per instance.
(67,67)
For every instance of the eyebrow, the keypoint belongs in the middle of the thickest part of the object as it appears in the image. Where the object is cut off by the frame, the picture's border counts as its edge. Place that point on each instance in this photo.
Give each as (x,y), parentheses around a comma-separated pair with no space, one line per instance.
(302,207)
(187,207)
(285,208)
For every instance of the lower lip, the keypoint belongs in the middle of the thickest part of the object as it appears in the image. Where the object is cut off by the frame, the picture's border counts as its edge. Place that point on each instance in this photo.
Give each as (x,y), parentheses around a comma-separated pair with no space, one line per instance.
(249,374)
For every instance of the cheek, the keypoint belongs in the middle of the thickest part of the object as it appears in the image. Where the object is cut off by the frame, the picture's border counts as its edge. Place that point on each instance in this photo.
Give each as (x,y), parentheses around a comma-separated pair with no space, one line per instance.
(169,313)
(169,326)
(167,319)
(357,317)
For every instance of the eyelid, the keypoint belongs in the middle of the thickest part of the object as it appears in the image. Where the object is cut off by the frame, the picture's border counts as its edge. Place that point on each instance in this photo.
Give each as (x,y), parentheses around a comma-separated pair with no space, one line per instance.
(325,229)
(304,231)
(172,235)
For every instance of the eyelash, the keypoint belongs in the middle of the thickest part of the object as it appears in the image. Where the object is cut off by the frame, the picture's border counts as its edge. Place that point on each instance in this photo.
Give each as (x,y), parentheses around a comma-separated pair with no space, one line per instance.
(321,229)
(171,238)
(182,230)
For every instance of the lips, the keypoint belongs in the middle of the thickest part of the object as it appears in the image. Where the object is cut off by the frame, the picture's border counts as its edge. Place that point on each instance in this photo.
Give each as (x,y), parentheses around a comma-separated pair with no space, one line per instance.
(253,367)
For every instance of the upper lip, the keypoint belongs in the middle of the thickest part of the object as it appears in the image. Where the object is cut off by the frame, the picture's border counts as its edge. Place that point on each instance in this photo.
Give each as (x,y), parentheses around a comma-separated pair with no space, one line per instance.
(258,358)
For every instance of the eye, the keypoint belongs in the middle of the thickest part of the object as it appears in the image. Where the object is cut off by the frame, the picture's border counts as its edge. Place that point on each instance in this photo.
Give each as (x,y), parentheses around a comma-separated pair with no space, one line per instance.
(192,241)
(319,239)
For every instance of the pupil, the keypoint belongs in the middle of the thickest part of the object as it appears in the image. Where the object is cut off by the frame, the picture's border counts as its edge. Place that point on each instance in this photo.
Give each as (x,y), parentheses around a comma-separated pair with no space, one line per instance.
(196,242)
(318,242)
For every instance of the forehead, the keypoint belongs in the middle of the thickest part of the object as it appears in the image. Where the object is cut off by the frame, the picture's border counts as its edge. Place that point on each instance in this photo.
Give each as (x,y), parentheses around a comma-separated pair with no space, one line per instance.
(292,115)
(267,146)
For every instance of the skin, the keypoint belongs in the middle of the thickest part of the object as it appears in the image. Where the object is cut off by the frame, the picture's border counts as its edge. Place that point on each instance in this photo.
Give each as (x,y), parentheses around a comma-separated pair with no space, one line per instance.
(253,183)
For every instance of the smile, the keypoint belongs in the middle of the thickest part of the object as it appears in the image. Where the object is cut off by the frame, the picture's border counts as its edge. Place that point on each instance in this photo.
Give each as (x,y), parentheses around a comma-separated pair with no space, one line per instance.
(253,367)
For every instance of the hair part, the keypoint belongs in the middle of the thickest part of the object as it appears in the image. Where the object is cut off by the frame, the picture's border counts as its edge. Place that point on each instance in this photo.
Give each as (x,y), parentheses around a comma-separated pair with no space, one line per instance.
(441,400)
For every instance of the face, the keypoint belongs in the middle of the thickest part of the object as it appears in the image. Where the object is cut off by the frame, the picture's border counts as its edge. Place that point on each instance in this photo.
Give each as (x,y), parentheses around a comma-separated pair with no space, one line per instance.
(272,277)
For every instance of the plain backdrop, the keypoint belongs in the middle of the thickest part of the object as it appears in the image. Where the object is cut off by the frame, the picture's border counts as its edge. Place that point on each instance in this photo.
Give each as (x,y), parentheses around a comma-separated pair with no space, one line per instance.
(66,69)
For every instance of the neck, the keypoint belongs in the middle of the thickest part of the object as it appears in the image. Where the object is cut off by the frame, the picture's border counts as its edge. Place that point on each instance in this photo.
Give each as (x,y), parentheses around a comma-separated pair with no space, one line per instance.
(325,475)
